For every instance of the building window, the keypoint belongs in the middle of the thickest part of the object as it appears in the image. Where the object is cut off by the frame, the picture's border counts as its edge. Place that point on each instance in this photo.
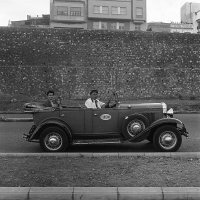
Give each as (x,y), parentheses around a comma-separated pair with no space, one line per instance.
(117,26)
(118,10)
(96,9)
(101,9)
(137,27)
(62,11)
(113,26)
(100,25)
(95,25)
(121,26)
(198,25)
(75,11)
(104,25)
(139,12)
(114,10)
(105,10)
(122,11)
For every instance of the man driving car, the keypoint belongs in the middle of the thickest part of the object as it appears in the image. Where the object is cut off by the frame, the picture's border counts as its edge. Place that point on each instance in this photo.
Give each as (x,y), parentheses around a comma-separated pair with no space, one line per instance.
(95,103)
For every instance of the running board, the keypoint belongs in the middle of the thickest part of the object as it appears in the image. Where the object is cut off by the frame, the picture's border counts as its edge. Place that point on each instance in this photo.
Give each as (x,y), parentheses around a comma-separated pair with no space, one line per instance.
(98,141)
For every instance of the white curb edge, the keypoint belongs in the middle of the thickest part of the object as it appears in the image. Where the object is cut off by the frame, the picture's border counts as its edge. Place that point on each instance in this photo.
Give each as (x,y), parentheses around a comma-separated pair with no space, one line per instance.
(104,193)
(93,155)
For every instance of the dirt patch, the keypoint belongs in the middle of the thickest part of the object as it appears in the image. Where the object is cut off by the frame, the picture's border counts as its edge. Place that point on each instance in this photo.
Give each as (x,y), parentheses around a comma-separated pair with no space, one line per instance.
(99,172)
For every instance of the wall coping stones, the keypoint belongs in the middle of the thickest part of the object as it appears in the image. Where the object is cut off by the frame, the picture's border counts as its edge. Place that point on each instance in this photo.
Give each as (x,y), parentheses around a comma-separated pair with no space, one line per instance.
(99,193)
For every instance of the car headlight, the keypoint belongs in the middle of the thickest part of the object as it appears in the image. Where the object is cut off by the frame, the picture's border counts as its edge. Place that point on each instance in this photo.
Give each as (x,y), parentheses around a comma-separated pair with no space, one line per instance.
(170,111)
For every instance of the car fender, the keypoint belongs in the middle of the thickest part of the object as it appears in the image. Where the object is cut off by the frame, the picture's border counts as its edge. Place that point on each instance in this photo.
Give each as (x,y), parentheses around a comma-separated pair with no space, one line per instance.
(166,121)
(144,134)
(49,122)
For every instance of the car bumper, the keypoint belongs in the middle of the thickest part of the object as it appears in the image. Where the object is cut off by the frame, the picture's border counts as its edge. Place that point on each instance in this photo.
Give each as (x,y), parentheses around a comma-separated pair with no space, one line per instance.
(182,130)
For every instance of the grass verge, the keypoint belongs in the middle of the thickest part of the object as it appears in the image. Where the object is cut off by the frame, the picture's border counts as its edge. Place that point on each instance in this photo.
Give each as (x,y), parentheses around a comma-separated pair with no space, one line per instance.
(99,172)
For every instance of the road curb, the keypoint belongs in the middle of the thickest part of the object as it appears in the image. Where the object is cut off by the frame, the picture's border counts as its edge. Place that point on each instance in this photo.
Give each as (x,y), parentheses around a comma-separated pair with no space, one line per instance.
(118,155)
(100,193)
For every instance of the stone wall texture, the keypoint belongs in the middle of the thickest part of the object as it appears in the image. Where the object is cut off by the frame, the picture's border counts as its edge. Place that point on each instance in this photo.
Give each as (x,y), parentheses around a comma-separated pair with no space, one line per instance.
(137,65)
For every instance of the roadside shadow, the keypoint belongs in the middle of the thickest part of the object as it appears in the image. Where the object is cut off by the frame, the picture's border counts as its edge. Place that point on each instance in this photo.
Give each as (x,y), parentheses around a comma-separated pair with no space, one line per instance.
(125,147)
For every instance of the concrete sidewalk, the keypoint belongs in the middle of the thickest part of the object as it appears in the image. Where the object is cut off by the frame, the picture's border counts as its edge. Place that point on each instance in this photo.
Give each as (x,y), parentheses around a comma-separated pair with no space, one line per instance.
(123,154)
(99,193)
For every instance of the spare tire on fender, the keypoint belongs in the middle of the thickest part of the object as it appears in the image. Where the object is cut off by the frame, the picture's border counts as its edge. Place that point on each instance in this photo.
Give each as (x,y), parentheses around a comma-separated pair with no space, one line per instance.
(133,125)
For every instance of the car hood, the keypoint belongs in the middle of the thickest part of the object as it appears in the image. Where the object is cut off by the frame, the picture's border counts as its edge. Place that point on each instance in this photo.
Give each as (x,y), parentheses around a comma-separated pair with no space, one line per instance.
(140,105)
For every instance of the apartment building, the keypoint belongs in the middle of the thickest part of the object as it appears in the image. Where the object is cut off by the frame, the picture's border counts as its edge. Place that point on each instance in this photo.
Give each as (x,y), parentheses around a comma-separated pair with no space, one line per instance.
(98,14)
(196,21)
(187,11)
(68,14)
(40,22)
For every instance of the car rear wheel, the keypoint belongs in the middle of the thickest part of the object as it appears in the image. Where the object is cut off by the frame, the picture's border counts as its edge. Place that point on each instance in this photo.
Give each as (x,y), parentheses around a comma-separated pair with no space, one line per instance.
(167,138)
(53,139)
(134,125)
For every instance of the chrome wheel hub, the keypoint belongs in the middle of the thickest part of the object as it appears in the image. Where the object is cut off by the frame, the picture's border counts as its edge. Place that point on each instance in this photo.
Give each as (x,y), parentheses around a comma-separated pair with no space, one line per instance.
(53,141)
(168,140)
(135,127)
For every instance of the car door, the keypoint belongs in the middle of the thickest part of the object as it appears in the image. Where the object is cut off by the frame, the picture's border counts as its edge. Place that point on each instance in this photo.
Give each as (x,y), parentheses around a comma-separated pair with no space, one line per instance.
(105,121)
(74,117)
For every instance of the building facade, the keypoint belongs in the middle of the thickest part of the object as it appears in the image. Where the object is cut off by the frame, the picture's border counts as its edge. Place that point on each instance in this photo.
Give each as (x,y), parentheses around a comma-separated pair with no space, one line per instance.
(68,14)
(41,22)
(181,28)
(187,11)
(98,14)
(196,22)
(170,27)
(158,27)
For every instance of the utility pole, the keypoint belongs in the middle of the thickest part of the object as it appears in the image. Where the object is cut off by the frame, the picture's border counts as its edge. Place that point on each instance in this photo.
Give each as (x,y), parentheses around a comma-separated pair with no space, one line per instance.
(191,21)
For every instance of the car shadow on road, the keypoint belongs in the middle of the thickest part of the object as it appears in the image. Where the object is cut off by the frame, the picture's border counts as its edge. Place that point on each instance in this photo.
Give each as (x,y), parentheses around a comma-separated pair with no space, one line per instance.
(125,147)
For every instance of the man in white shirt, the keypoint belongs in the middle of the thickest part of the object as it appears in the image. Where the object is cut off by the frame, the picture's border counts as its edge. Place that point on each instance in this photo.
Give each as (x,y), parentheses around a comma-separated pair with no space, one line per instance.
(93,102)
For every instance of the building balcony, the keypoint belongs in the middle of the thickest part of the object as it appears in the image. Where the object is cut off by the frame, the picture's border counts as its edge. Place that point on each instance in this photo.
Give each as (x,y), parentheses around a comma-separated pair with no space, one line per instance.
(119,10)
(76,19)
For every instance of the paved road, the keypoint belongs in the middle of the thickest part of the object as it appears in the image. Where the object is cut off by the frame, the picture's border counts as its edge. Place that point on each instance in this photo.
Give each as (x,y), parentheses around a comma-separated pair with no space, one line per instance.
(11,140)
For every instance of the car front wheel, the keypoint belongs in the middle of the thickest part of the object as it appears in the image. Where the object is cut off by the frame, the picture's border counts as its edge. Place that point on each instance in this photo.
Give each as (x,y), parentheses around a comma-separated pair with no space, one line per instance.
(167,138)
(134,125)
(53,139)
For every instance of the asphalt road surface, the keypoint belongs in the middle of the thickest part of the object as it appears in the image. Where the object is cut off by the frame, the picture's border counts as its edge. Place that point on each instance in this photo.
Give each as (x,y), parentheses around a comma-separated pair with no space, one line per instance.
(11,140)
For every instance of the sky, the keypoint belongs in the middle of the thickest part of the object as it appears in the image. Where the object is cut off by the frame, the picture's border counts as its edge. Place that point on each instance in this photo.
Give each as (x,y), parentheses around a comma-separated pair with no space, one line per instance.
(157,10)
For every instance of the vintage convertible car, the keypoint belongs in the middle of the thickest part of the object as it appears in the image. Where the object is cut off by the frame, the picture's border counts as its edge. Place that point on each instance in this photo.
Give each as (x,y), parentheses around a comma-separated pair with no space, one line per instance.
(58,128)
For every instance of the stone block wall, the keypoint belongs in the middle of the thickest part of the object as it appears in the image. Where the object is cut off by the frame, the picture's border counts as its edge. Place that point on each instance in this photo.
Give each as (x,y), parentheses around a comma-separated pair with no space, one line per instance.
(137,65)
